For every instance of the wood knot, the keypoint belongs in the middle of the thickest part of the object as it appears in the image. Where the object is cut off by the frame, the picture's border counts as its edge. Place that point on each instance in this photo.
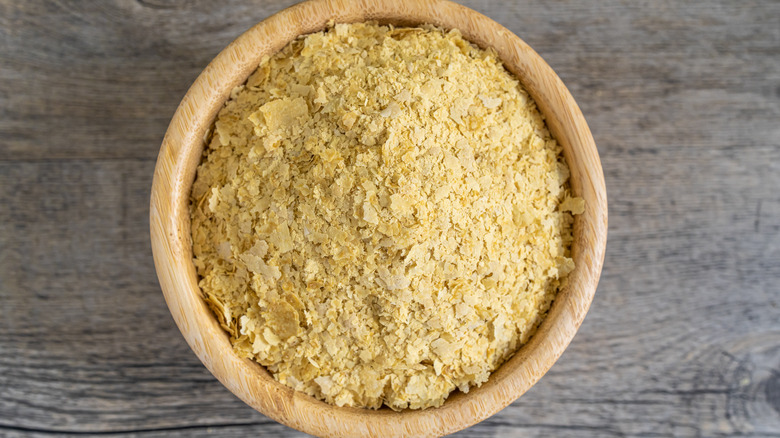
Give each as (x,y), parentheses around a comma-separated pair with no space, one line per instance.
(162,4)
(772,390)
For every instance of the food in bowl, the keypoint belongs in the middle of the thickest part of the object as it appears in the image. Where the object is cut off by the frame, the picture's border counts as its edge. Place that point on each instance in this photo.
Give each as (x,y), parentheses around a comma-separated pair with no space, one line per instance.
(381,216)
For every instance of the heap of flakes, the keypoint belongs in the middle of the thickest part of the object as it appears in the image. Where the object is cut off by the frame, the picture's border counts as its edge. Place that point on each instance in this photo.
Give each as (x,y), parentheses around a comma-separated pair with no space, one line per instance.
(381,216)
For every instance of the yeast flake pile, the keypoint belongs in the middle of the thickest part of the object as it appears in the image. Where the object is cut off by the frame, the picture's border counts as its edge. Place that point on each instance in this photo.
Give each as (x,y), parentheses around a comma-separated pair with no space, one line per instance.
(381,216)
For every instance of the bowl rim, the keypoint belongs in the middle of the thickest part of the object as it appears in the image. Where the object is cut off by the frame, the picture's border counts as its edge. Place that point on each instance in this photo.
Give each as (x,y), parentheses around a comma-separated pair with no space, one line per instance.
(180,154)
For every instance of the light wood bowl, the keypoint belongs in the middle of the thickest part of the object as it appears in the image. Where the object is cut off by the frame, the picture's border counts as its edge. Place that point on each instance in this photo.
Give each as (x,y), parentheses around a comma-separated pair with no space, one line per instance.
(171,242)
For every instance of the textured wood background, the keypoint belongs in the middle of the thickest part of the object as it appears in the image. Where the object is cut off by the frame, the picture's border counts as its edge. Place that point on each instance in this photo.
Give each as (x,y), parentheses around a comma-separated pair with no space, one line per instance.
(683,338)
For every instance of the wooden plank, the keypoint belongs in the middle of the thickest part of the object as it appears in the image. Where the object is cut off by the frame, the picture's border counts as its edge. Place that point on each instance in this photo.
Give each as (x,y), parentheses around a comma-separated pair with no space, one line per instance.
(102,80)
(682,339)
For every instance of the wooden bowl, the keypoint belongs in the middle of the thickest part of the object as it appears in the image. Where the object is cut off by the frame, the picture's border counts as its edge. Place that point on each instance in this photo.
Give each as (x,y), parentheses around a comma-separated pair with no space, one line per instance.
(171,242)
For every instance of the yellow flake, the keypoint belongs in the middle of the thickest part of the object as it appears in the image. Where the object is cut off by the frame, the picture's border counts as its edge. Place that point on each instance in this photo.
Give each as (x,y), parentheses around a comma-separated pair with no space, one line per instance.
(283,113)
(322,97)
(574,205)
(489,102)
(369,214)
(400,205)
(392,110)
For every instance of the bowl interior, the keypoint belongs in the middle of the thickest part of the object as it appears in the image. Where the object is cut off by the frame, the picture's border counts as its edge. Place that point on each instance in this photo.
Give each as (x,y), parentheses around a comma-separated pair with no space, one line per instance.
(170,224)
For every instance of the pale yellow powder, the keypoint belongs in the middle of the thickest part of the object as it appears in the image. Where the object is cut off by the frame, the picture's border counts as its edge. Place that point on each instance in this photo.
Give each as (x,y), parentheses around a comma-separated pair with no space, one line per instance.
(381,216)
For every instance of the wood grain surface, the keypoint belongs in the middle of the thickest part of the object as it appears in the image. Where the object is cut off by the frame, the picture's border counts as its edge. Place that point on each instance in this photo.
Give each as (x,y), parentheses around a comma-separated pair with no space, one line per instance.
(682,339)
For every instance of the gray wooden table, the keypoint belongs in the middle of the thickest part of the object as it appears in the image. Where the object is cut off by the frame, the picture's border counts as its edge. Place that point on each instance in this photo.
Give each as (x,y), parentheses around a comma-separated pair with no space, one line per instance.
(683,338)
